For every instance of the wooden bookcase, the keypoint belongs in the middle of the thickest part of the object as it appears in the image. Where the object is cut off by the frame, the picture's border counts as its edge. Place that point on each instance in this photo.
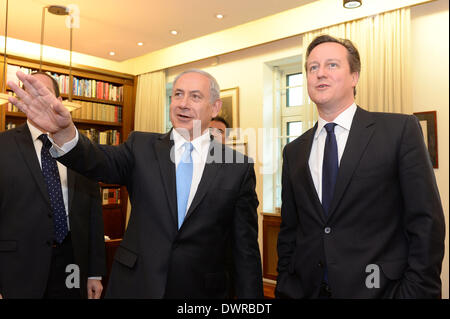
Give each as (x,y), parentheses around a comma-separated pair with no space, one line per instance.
(114,210)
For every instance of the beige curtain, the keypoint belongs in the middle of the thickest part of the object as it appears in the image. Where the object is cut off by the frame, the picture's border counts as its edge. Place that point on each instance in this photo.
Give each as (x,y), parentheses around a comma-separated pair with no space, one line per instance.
(383,42)
(150,107)
(150,102)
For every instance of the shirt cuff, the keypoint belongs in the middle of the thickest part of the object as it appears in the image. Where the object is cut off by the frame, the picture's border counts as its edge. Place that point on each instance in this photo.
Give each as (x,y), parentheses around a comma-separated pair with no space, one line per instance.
(95,278)
(57,151)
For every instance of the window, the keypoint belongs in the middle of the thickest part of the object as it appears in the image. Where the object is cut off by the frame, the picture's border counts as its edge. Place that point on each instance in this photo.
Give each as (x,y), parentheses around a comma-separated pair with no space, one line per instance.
(288,88)
(294,83)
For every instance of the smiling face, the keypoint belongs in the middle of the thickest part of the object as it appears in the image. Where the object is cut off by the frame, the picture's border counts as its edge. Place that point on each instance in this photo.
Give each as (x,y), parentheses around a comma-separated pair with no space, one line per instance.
(191,108)
(330,81)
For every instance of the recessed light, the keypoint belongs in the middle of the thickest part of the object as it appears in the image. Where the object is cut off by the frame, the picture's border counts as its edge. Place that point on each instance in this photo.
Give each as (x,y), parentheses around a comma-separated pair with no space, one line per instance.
(112,53)
(174,32)
(351,4)
(140,44)
(219,16)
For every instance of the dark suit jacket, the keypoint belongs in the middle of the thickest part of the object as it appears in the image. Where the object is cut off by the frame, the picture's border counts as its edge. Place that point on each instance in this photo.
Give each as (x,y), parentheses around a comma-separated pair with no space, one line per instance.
(26,224)
(155,259)
(386,211)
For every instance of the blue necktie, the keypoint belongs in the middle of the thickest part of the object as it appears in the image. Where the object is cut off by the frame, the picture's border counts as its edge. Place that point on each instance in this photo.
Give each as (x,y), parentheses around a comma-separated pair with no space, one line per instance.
(184,180)
(329,174)
(329,168)
(51,177)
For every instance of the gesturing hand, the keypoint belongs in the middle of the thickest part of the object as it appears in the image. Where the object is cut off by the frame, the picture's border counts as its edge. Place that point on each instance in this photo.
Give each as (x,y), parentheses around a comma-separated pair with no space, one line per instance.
(43,108)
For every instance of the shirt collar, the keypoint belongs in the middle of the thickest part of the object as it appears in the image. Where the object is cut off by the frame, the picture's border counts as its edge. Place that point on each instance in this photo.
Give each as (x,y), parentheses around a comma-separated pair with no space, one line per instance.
(35,132)
(198,143)
(343,120)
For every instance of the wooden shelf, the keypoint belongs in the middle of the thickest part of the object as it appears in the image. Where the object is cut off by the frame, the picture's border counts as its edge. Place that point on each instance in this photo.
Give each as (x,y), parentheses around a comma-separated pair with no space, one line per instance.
(82,121)
(16,114)
(112,206)
(94,122)
(92,99)
(104,185)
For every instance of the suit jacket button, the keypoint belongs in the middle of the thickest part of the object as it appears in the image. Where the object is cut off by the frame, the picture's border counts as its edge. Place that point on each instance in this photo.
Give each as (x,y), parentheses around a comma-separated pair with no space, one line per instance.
(320,264)
(327,230)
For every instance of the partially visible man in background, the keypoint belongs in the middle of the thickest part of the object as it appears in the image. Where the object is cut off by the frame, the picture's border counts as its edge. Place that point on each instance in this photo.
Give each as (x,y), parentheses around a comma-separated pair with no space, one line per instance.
(219,129)
(50,218)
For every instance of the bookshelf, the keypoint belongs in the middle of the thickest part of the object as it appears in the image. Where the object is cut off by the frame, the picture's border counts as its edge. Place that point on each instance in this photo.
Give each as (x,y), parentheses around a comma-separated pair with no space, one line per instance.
(106,116)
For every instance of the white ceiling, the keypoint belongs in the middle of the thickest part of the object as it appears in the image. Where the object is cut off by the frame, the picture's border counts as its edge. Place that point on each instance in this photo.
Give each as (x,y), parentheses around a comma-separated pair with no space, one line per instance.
(118,25)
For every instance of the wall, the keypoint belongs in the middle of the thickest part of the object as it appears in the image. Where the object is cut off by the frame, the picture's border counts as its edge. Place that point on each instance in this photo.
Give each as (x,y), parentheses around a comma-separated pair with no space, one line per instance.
(430,56)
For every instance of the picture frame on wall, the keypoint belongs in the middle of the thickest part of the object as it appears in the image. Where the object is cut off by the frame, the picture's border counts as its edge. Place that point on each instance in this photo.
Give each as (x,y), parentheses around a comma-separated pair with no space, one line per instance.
(240,146)
(428,123)
(230,109)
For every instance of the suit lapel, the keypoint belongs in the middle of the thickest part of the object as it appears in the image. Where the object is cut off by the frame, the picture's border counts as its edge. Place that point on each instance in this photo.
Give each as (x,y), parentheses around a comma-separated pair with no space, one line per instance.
(163,149)
(304,174)
(360,134)
(209,173)
(71,187)
(26,147)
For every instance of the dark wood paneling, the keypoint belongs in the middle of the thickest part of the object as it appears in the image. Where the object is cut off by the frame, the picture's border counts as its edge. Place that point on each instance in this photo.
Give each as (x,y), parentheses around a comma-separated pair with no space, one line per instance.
(271,228)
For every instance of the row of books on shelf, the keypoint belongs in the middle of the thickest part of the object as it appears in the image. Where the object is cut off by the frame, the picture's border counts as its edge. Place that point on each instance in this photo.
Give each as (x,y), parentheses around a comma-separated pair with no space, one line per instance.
(109,137)
(98,112)
(97,89)
(110,196)
(81,87)
(11,107)
(88,111)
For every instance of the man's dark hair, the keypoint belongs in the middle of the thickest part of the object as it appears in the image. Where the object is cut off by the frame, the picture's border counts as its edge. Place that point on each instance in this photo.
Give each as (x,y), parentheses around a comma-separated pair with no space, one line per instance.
(353,55)
(221,119)
(55,84)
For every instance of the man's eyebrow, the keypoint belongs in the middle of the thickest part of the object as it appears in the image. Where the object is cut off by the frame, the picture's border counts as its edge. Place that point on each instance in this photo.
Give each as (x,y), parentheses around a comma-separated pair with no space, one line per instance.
(196,91)
(327,60)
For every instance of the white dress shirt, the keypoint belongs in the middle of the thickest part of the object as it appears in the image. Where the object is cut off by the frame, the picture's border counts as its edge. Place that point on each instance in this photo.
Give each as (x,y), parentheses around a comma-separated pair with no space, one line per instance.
(341,130)
(199,155)
(35,133)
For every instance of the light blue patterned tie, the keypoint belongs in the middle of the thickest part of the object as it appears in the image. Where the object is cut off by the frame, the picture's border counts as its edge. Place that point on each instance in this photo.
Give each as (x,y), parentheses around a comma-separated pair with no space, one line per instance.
(184,180)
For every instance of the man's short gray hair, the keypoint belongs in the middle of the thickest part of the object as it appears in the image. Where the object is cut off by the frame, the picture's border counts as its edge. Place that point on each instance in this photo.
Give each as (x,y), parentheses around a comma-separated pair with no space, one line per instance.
(214,89)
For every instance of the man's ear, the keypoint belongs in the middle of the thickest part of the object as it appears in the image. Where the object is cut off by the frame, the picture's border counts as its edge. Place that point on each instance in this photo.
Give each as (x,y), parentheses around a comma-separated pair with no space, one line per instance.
(355,78)
(216,107)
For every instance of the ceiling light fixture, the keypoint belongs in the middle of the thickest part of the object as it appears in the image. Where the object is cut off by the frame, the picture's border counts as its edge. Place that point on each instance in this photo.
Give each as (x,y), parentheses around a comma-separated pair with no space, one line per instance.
(174,32)
(60,10)
(351,4)
(3,95)
(112,53)
(219,16)
(140,44)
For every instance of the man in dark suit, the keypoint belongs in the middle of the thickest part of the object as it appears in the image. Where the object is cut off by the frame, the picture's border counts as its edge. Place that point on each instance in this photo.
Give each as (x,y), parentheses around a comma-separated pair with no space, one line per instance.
(188,204)
(361,212)
(32,261)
